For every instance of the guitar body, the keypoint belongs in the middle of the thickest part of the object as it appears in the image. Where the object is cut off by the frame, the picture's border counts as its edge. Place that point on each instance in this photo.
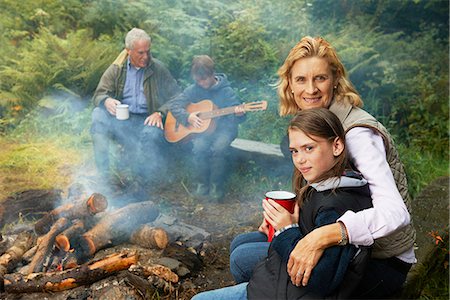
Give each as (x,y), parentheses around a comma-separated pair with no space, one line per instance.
(207,111)
(175,132)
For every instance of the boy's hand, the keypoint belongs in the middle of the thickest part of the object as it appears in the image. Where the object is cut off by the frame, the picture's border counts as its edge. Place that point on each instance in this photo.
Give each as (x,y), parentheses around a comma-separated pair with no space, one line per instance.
(194,120)
(239,110)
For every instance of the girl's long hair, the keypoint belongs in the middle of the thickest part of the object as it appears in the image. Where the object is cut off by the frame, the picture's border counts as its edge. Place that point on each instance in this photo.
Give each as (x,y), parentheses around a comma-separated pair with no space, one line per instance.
(318,123)
(314,47)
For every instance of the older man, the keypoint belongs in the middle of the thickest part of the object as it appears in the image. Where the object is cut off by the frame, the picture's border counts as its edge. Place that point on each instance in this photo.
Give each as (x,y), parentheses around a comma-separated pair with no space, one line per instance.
(144,83)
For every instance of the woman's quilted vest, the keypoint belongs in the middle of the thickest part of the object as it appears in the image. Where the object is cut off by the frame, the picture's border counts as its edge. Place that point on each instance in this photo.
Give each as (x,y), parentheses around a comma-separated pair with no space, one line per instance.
(403,238)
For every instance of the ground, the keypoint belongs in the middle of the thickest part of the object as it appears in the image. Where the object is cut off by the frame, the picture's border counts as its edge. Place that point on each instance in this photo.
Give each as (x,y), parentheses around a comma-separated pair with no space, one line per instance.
(224,221)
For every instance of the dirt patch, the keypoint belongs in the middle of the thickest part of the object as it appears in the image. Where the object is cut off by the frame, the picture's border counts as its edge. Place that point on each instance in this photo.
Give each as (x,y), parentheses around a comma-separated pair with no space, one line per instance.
(224,221)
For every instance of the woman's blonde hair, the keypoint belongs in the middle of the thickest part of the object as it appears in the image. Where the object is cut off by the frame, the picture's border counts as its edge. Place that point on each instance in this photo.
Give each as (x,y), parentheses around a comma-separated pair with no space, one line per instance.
(314,47)
(322,123)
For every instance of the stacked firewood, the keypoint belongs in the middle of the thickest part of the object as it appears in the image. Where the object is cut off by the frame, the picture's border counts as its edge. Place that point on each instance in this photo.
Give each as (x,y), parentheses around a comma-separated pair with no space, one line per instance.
(58,255)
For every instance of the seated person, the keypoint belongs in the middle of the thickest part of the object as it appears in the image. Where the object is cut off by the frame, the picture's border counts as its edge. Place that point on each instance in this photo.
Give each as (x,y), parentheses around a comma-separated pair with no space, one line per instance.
(210,149)
(144,83)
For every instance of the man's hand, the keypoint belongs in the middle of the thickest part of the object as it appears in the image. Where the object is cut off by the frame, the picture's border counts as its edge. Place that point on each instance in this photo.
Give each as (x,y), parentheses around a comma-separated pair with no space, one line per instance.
(155,119)
(110,105)
(194,120)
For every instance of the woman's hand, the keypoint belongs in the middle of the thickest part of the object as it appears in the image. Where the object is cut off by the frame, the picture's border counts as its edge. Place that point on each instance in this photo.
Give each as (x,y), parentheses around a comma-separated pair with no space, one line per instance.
(305,256)
(278,216)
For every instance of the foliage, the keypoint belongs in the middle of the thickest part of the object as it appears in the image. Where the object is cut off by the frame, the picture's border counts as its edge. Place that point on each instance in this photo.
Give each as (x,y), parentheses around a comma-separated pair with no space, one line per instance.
(430,278)
(54,52)
(22,20)
(421,167)
(50,65)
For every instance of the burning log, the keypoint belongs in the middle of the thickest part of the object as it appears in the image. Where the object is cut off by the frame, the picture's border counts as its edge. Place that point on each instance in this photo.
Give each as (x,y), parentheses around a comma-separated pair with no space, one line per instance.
(12,256)
(68,237)
(46,244)
(116,228)
(94,204)
(150,237)
(64,280)
(27,257)
(69,261)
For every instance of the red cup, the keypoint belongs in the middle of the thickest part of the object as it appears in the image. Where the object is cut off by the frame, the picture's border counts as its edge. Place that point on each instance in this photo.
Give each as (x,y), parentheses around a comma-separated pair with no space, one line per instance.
(285,199)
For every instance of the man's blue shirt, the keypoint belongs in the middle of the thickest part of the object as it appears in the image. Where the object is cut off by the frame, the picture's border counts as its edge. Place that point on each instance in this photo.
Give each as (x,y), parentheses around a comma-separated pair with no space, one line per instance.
(133,93)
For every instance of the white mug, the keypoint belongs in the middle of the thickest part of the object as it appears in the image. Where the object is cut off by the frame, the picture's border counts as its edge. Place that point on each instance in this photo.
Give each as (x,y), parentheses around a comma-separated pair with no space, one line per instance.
(122,112)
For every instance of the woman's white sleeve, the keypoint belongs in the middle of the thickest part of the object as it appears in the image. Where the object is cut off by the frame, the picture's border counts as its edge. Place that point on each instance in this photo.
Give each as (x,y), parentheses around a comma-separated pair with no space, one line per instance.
(389,212)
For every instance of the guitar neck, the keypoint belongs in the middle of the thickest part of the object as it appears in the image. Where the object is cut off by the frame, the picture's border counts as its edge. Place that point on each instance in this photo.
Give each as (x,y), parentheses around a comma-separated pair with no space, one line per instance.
(217,113)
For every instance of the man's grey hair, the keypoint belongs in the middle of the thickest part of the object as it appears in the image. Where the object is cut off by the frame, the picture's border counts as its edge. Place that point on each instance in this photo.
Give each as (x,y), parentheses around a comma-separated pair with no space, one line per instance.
(134,35)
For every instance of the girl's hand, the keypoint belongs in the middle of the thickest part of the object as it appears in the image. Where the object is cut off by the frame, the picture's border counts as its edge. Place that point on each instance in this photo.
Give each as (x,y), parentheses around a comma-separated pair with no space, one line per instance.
(264,227)
(278,216)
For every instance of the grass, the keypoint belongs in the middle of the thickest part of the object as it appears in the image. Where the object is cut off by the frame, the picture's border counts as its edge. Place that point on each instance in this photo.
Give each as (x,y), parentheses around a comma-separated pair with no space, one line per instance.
(35,165)
(43,152)
(422,168)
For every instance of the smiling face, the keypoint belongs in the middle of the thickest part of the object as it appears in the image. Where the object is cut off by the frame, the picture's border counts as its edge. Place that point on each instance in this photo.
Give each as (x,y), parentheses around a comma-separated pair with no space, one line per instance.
(313,156)
(140,54)
(312,82)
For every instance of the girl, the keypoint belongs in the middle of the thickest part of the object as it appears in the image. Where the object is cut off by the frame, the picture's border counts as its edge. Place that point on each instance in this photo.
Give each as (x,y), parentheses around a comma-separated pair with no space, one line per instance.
(326,188)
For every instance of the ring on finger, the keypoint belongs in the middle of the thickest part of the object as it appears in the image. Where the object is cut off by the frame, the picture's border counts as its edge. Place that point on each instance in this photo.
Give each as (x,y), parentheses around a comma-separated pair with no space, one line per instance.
(299,273)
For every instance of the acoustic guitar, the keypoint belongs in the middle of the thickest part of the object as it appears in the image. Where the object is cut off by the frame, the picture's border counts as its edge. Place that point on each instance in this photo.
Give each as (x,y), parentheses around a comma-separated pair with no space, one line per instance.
(175,131)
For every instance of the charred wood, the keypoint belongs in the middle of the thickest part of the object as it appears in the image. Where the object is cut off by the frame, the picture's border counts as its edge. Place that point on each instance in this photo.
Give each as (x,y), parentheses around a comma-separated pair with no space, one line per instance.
(191,260)
(160,271)
(9,259)
(4,245)
(70,237)
(145,288)
(28,203)
(14,254)
(161,284)
(64,280)
(94,204)
(45,245)
(69,261)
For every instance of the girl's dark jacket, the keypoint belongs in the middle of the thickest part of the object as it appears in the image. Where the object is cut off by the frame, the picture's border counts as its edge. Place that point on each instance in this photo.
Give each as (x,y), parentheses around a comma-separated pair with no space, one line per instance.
(332,277)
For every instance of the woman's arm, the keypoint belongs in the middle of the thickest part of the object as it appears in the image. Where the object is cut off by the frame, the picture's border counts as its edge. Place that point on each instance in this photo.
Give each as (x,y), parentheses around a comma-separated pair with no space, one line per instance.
(331,268)
(309,250)
(389,212)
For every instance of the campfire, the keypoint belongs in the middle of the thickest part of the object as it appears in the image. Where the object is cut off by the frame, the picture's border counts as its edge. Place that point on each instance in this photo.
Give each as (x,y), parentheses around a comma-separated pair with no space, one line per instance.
(63,249)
